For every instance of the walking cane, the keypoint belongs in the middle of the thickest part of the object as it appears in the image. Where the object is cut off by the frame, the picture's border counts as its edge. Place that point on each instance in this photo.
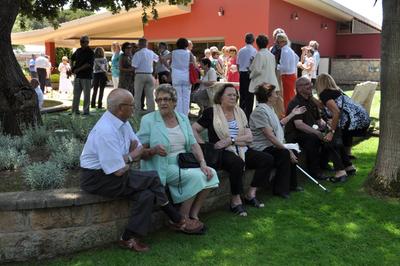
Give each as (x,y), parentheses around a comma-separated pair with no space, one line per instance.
(313,179)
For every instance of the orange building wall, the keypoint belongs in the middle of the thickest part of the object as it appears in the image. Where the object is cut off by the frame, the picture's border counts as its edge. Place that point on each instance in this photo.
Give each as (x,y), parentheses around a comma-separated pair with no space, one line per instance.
(306,28)
(366,45)
(203,22)
(260,16)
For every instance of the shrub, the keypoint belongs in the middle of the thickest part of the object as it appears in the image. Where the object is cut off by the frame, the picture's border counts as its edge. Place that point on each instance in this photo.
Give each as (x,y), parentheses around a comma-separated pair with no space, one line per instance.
(78,127)
(81,126)
(7,141)
(135,122)
(17,142)
(36,136)
(65,152)
(47,175)
(11,158)
(55,78)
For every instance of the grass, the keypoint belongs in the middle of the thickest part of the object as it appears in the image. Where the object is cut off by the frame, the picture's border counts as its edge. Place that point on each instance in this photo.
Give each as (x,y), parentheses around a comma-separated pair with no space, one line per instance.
(343,227)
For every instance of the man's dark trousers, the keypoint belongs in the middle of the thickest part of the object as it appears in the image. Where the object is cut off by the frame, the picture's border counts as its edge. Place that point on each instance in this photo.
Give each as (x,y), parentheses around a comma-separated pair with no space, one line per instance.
(246,98)
(142,187)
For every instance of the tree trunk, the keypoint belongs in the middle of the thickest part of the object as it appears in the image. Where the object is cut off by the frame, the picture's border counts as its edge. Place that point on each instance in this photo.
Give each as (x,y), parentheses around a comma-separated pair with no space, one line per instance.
(18,101)
(386,175)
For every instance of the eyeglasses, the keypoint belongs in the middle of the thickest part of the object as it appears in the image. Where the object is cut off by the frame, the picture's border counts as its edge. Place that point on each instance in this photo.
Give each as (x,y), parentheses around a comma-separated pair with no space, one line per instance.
(305,85)
(129,104)
(165,99)
(231,95)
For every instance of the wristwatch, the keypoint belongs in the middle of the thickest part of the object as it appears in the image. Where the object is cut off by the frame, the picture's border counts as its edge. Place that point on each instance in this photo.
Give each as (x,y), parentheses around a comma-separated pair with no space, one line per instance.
(130,160)
(233,140)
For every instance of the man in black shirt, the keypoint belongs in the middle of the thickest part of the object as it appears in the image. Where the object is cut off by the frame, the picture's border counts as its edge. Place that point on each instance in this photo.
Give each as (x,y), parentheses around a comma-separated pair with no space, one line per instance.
(82,66)
(304,128)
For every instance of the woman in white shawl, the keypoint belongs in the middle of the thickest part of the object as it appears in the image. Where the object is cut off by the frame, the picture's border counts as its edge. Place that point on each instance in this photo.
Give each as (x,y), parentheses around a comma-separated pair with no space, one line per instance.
(228,130)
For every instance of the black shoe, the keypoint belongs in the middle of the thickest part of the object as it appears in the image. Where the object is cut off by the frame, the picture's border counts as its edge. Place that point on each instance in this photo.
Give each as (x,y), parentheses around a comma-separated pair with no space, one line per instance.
(340,179)
(254,202)
(239,210)
(351,171)
(297,189)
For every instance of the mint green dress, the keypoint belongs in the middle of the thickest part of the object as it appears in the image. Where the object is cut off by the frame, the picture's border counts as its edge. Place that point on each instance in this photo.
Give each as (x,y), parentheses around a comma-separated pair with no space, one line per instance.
(153,132)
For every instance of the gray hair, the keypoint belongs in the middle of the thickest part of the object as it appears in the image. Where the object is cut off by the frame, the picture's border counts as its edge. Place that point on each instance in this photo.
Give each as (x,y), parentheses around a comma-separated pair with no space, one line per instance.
(167,88)
(277,31)
(282,37)
(115,98)
(301,81)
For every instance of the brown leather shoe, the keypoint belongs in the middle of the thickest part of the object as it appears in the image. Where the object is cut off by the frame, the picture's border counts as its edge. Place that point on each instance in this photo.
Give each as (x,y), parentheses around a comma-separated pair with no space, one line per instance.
(134,244)
(187,226)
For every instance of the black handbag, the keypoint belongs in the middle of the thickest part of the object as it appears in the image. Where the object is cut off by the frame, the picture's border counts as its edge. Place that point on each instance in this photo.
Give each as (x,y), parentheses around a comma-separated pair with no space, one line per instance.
(186,160)
(211,155)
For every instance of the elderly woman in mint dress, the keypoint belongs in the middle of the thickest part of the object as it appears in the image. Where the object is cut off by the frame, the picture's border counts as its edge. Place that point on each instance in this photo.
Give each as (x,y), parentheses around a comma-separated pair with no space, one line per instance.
(164,134)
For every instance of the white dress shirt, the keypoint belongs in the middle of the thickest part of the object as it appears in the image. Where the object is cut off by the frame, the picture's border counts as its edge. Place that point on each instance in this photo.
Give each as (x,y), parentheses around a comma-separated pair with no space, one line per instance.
(245,56)
(288,62)
(42,62)
(143,60)
(317,58)
(107,142)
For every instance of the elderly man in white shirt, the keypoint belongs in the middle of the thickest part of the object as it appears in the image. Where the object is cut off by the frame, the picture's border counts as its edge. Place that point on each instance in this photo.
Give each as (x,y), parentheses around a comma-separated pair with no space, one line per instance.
(142,62)
(105,162)
(288,68)
(245,57)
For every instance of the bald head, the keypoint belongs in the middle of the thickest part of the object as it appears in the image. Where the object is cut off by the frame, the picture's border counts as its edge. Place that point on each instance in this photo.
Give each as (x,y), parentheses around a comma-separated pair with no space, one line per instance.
(116,98)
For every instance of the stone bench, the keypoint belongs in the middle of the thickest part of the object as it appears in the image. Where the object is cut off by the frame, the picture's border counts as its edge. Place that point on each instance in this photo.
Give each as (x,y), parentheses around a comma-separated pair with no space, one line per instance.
(43,224)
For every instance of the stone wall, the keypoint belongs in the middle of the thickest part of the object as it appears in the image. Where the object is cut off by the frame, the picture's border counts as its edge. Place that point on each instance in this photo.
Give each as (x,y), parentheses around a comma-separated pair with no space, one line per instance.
(353,71)
(43,224)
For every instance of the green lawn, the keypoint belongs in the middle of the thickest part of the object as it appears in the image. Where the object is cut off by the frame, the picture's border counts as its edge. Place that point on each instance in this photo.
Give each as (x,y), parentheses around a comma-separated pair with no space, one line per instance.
(343,227)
